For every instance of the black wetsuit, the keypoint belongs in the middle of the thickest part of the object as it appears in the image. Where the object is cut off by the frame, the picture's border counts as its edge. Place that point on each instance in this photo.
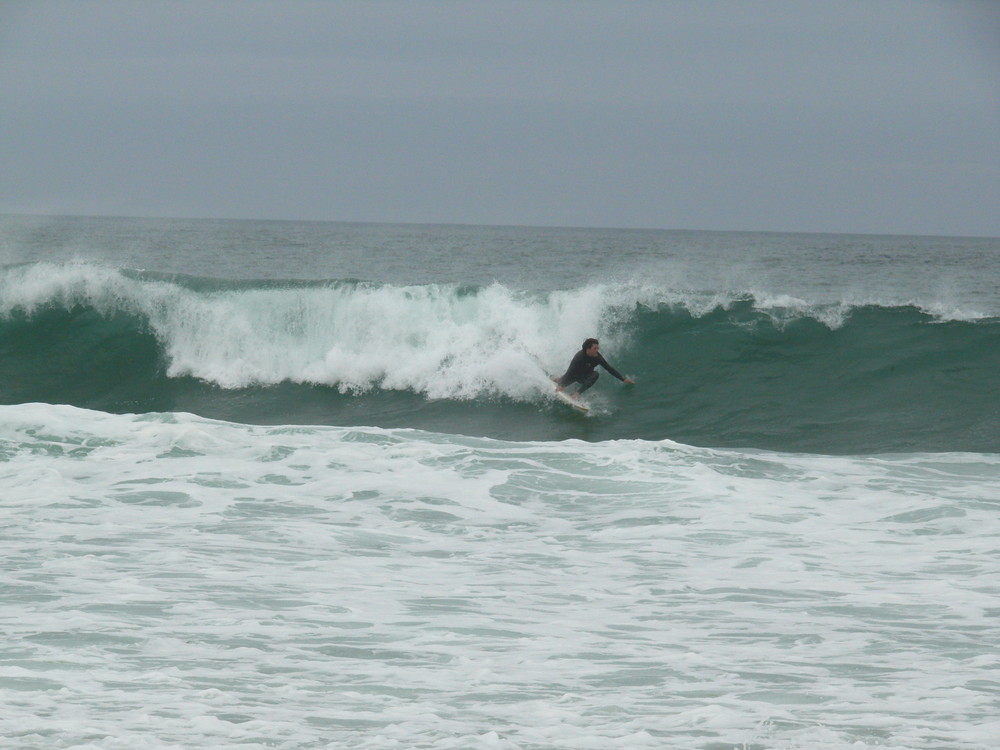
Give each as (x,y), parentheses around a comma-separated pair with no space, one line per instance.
(582,370)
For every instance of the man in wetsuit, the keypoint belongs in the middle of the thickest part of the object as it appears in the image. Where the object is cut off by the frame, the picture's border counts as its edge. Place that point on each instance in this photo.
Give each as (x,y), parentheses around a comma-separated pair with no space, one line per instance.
(582,369)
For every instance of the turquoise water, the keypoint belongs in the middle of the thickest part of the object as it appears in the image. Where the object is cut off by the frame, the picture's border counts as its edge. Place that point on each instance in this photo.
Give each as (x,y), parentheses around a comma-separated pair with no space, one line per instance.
(303,485)
(815,343)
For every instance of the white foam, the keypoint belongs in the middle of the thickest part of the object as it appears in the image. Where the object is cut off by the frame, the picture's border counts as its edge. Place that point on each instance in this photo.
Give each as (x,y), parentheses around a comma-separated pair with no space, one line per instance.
(442,341)
(172,581)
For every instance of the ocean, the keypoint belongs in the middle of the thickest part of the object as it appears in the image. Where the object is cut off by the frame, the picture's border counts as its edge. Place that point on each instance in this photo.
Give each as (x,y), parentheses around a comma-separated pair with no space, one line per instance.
(304,485)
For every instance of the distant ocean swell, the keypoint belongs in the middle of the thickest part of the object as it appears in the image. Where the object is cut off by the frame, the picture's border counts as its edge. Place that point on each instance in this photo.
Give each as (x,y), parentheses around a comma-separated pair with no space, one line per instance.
(715,368)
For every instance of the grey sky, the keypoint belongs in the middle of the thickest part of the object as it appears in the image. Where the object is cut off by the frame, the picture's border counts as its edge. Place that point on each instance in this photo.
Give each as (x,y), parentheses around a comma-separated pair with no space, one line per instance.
(816,115)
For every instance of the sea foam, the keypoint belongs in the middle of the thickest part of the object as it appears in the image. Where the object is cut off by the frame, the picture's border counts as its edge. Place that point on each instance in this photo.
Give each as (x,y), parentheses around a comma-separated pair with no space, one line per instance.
(180,582)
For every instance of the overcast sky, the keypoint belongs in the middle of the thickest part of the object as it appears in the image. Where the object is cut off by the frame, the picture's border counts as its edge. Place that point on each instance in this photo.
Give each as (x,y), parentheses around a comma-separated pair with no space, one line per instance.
(818,115)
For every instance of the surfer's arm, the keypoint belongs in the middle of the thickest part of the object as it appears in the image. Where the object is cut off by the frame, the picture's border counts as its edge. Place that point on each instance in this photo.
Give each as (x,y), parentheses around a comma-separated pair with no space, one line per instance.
(604,363)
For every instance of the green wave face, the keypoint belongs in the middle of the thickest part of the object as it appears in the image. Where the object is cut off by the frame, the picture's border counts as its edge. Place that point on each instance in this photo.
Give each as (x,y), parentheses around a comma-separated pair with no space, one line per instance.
(725,371)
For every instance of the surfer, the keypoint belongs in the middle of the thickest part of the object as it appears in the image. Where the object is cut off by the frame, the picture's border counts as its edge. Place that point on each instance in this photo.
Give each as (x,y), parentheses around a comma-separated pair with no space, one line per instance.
(582,369)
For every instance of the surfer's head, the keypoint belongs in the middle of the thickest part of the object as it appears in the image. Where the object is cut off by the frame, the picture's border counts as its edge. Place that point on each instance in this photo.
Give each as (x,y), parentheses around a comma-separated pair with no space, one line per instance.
(590,346)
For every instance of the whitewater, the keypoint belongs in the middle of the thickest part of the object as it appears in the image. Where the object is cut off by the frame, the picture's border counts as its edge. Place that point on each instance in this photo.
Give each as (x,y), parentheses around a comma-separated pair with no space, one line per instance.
(302,485)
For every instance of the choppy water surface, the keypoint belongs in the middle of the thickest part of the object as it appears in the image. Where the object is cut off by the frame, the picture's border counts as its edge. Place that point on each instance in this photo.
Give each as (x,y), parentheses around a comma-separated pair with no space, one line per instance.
(176,582)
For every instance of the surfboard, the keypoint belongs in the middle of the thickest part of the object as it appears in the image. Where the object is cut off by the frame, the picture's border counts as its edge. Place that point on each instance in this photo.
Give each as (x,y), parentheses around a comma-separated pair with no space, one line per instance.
(565,397)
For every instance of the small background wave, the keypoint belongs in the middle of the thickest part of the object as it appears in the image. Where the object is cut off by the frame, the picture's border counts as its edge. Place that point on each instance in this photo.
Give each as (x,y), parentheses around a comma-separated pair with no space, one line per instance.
(718,369)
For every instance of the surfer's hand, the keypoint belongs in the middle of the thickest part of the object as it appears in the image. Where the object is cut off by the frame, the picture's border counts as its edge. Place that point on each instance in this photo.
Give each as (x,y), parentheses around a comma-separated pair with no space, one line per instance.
(629,381)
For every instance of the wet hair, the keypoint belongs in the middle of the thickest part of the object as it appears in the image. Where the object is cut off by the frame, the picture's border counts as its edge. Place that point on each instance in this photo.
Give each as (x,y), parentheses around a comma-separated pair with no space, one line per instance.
(589,343)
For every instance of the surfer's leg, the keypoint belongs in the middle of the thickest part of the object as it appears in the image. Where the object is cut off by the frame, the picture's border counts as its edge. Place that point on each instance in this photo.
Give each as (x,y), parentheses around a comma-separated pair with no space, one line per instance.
(587,382)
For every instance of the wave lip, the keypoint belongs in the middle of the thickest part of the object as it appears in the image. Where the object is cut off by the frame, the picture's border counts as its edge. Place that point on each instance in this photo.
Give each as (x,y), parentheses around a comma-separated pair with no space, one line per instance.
(444,341)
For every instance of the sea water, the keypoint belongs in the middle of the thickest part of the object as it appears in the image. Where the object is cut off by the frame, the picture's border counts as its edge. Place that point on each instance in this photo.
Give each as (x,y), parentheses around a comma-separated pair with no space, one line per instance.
(303,485)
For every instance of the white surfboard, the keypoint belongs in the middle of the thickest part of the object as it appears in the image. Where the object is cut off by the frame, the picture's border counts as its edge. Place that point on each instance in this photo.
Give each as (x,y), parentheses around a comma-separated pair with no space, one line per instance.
(580,407)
